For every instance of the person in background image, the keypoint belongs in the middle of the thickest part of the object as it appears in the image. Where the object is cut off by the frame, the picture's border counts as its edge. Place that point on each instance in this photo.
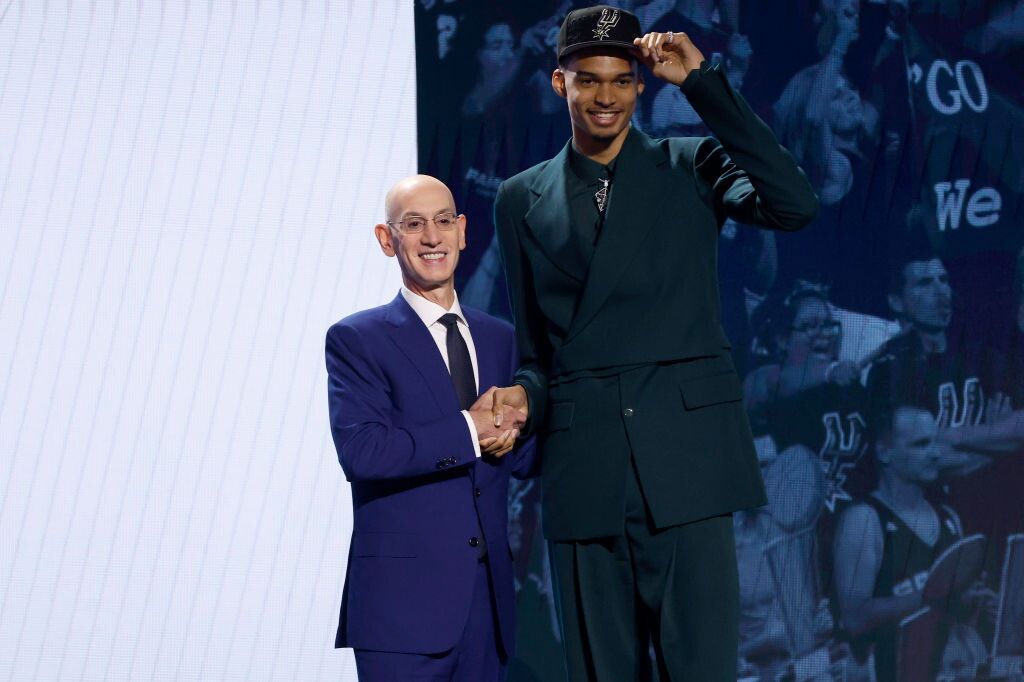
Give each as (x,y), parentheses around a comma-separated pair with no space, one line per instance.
(804,396)
(782,613)
(540,49)
(809,408)
(823,119)
(990,498)
(542,128)
(748,261)
(854,164)
(712,24)
(887,543)
(955,379)
(972,392)
(498,64)
(429,589)
(670,114)
(490,132)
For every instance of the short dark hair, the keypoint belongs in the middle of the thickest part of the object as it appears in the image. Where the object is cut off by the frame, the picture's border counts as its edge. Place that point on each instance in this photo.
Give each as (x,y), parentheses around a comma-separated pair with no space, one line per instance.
(885,421)
(911,245)
(775,315)
(898,268)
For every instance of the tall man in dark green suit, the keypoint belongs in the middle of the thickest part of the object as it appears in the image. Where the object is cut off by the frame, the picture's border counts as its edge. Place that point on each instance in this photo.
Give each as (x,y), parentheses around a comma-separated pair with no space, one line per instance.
(610,256)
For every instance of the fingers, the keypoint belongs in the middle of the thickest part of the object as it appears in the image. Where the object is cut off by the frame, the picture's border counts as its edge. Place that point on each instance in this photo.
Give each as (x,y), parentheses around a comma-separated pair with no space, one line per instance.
(494,444)
(507,442)
(501,445)
(998,408)
(504,452)
(652,46)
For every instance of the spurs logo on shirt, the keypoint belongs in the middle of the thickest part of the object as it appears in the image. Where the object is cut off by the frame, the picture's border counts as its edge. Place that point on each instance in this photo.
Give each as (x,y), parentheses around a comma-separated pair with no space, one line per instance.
(843,448)
(952,412)
(609,19)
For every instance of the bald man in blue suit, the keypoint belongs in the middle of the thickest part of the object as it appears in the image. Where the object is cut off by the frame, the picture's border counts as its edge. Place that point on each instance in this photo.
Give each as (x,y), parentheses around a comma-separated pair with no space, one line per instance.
(429,589)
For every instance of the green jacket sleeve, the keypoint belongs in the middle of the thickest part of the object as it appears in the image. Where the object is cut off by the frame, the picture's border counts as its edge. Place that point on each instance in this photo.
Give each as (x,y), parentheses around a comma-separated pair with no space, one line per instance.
(746,174)
(531,339)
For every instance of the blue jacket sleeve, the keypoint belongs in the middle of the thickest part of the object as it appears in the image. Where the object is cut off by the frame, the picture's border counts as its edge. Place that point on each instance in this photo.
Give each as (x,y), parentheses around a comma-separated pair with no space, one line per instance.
(370,445)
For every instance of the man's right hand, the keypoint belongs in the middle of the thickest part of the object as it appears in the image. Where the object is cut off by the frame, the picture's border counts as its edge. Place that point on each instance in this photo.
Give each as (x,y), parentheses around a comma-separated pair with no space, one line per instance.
(513,396)
(502,400)
(483,418)
(496,439)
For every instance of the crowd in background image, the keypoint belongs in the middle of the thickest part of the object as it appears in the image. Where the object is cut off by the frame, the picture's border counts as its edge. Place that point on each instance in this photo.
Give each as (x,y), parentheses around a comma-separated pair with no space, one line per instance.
(882,347)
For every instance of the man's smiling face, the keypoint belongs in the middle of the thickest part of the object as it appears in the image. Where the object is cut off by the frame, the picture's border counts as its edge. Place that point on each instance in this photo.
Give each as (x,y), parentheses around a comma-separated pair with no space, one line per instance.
(601,89)
(427,258)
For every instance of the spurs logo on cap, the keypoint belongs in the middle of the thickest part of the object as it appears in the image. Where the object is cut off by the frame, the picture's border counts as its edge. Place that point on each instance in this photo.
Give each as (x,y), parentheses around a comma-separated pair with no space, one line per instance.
(598,26)
(609,19)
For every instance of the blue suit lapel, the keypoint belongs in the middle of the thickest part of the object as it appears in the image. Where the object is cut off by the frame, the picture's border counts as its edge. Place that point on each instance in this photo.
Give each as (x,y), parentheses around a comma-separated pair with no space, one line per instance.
(416,343)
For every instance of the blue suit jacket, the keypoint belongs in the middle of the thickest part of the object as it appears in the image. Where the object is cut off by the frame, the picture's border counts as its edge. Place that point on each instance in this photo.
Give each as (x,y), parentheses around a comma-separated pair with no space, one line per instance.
(419,494)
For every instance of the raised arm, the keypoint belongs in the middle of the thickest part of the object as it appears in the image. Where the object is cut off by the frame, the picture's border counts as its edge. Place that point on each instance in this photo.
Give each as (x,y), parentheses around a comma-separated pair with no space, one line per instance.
(747,175)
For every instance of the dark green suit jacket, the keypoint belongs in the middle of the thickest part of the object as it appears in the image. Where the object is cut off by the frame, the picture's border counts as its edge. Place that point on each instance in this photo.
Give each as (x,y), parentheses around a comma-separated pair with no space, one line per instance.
(626,353)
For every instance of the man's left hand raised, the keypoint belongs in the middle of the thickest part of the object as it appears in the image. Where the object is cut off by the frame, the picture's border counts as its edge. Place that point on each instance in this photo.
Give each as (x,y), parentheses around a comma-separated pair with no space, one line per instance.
(670,56)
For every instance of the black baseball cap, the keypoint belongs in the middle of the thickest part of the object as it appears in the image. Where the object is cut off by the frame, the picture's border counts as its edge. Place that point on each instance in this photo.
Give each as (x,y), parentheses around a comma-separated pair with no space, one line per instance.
(598,26)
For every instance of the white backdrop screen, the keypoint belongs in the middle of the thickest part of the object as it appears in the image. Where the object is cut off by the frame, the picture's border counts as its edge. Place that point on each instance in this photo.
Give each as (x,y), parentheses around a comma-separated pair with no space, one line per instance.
(187,195)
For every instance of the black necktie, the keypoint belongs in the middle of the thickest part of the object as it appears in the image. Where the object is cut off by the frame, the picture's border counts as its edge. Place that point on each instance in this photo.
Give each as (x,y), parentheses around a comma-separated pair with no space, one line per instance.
(459,362)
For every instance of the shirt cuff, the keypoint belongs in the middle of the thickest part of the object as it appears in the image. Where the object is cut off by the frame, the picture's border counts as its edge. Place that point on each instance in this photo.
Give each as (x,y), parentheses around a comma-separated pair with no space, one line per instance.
(472,433)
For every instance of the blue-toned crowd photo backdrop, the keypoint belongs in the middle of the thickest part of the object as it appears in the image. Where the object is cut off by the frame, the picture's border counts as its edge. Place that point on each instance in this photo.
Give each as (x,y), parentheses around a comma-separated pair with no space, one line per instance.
(882,348)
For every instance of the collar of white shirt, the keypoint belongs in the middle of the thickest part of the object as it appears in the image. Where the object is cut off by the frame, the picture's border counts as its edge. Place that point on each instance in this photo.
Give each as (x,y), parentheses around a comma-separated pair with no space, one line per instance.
(428,311)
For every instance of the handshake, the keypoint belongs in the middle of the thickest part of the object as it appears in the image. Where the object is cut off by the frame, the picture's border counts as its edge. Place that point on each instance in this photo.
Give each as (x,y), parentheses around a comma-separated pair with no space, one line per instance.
(499,414)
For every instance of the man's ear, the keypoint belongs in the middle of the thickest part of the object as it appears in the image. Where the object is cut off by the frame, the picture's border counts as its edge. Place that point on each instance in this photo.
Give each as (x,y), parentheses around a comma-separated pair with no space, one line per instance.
(462,231)
(639,80)
(558,83)
(896,304)
(882,453)
(383,234)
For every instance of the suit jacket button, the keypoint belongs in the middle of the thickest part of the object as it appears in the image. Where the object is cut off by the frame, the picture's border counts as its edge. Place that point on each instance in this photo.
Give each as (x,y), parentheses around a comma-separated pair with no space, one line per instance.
(476,492)
(628,412)
(474,541)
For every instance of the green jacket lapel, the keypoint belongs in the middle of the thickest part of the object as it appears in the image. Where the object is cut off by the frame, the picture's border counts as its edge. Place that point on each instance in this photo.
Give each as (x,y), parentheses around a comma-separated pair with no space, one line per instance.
(638,192)
(549,218)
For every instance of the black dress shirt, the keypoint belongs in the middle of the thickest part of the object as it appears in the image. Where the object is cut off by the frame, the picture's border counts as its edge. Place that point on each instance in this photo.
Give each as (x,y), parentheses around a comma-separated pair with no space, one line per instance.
(583,183)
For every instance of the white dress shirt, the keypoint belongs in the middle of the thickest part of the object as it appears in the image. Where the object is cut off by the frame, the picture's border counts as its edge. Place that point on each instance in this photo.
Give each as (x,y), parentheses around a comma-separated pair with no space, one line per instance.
(429,313)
